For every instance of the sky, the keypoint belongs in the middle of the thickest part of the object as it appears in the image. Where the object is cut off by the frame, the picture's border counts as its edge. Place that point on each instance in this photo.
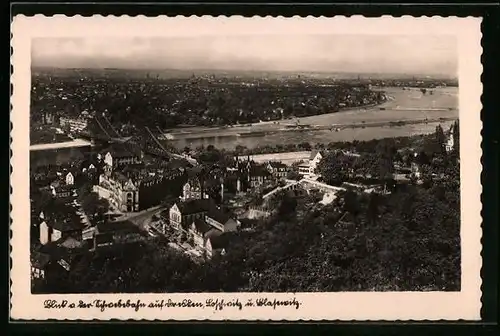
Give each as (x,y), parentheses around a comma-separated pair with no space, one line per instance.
(416,54)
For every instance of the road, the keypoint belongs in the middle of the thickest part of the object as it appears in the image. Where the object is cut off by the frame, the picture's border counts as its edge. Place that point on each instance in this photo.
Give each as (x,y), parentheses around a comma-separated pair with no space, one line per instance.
(143,218)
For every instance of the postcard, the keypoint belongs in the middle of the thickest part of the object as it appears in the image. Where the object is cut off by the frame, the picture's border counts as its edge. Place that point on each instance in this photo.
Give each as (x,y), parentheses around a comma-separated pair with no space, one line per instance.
(246,169)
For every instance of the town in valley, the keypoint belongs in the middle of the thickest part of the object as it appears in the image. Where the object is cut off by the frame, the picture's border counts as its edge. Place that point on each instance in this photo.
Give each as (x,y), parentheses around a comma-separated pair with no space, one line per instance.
(147,181)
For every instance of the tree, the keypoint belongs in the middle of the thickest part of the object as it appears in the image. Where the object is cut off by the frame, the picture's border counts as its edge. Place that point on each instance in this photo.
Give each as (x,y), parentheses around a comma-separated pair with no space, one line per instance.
(440,137)
(373,207)
(287,205)
(385,162)
(456,138)
(306,146)
(334,167)
(240,150)
(293,175)
(94,206)
(385,171)
(365,165)
(351,202)
(213,189)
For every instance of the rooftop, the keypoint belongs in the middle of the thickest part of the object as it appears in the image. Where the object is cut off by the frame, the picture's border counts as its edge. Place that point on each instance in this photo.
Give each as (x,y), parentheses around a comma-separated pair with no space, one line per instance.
(218,215)
(62,217)
(259,171)
(70,243)
(313,154)
(121,150)
(277,164)
(178,163)
(69,224)
(219,241)
(39,260)
(201,226)
(195,206)
(56,250)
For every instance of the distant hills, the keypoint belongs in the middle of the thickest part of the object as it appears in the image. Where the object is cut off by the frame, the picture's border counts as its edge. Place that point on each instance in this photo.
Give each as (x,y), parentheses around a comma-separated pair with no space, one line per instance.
(180,73)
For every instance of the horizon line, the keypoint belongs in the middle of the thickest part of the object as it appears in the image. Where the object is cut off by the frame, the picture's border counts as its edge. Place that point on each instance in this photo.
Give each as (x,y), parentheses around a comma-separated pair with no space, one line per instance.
(48,67)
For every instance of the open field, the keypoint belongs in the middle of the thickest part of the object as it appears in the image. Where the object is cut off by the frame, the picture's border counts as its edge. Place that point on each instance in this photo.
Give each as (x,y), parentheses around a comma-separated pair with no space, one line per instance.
(287,158)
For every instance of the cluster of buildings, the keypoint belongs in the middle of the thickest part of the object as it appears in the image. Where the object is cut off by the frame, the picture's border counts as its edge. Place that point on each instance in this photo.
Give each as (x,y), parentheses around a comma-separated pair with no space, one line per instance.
(58,220)
(131,184)
(60,229)
(118,174)
(72,124)
(75,125)
(203,225)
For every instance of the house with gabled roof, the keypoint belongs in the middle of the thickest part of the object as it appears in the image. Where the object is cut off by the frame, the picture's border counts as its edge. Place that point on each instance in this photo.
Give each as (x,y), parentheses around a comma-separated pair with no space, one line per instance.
(308,168)
(62,190)
(314,160)
(120,155)
(221,220)
(207,240)
(217,245)
(184,213)
(258,175)
(278,169)
(69,178)
(121,191)
(62,256)
(198,231)
(52,230)
(192,189)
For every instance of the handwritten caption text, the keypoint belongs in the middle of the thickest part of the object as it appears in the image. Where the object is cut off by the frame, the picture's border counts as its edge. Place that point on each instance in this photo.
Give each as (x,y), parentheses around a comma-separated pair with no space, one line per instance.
(136,305)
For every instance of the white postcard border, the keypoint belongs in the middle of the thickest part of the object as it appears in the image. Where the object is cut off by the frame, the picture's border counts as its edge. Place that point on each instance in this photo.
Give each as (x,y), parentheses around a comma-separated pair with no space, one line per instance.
(465,304)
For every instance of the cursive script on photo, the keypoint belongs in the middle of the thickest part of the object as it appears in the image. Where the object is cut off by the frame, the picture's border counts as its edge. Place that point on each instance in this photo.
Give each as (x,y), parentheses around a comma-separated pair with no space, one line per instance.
(137,304)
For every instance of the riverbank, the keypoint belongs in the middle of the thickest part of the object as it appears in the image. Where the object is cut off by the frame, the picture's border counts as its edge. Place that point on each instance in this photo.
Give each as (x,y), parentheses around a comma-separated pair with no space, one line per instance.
(402,107)
(250,128)
(304,129)
(405,113)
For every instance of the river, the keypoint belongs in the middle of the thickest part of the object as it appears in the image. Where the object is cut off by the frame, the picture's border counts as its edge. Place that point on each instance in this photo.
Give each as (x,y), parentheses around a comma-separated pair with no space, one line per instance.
(402,105)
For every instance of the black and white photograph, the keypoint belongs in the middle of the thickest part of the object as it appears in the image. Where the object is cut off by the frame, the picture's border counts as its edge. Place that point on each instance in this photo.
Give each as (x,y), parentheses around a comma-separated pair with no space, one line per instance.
(245,163)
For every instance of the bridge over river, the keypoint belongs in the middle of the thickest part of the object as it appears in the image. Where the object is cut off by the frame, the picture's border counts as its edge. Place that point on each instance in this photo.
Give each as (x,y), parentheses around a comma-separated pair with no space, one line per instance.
(100,130)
